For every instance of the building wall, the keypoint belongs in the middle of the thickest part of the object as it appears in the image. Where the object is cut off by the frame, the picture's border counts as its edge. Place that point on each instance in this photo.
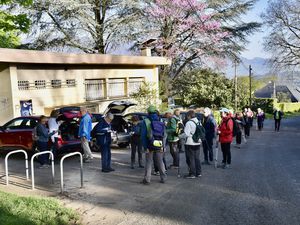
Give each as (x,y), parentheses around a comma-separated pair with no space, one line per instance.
(45,99)
(6,104)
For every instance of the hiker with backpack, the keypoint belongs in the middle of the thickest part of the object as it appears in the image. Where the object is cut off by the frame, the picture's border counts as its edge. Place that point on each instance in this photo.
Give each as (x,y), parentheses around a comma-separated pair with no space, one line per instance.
(277,118)
(172,137)
(210,127)
(152,134)
(135,142)
(193,133)
(241,123)
(225,132)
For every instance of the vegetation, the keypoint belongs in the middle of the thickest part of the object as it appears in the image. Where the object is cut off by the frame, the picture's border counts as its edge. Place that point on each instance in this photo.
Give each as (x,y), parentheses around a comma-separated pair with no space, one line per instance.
(12,24)
(282,17)
(34,211)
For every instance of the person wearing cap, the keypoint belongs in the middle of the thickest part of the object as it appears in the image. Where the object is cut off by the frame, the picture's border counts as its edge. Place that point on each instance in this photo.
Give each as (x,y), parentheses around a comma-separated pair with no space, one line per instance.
(225,132)
(103,136)
(172,137)
(147,137)
(84,133)
(135,141)
(210,127)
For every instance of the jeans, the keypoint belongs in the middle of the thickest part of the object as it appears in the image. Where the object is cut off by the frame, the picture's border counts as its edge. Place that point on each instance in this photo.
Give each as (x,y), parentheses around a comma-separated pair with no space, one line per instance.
(277,124)
(174,152)
(86,148)
(155,164)
(43,146)
(158,159)
(106,157)
(208,149)
(225,147)
(193,152)
(136,146)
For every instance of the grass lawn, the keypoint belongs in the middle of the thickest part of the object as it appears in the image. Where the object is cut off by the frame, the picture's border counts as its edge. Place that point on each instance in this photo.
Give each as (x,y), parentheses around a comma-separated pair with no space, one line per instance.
(34,211)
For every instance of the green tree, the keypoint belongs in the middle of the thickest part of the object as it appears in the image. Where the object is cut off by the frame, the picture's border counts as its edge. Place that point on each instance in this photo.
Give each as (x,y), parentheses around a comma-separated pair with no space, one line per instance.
(146,95)
(12,24)
(283,97)
(203,87)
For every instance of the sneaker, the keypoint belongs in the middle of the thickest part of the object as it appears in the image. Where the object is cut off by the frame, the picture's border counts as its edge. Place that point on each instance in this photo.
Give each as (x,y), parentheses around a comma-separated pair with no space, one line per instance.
(87,160)
(226,166)
(111,169)
(206,163)
(132,167)
(189,177)
(145,182)
(199,175)
(156,173)
(105,171)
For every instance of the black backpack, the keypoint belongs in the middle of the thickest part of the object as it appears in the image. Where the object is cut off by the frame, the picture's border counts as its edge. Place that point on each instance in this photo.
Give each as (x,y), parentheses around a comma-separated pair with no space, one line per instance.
(199,133)
(236,128)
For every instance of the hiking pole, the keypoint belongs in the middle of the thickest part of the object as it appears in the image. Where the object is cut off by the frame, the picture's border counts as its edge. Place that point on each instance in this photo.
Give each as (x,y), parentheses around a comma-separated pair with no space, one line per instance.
(217,150)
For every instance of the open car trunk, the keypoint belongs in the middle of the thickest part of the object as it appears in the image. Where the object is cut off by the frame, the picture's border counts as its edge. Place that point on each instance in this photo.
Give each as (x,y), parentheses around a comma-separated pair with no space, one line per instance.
(119,124)
(69,126)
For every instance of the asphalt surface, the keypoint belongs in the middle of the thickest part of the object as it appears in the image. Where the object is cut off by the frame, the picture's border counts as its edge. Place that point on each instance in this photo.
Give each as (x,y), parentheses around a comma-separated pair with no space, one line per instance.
(262,187)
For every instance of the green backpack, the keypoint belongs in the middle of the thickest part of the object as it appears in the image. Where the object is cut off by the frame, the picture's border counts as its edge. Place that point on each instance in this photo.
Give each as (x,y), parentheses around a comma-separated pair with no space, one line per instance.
(199,133)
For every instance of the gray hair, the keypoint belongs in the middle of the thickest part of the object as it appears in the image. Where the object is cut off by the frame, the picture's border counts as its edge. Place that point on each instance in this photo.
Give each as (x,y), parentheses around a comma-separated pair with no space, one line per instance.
(110,116)
(207,110)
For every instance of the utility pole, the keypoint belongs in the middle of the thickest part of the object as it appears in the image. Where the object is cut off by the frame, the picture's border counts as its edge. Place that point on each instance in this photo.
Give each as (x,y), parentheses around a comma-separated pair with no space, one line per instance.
(235,85)
(250,85)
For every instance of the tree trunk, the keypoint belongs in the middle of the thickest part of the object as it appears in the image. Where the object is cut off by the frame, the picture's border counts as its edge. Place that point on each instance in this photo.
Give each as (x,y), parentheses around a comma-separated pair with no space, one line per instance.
(100,9)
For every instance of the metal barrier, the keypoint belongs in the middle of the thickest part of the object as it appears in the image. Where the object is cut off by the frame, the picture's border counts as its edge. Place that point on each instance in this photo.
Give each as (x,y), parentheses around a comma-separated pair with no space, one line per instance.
(6,163)
(62,169)
(32,166)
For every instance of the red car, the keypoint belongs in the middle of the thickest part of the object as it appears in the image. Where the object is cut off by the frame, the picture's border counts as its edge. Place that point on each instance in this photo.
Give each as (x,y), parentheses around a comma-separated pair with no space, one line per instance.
(17,133)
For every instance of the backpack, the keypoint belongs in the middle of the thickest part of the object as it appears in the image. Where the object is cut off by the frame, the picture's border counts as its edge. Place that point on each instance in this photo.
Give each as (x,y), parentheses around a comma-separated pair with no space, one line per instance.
(199,133)
(179,127)
(236,130)
(34,135)
(156,136)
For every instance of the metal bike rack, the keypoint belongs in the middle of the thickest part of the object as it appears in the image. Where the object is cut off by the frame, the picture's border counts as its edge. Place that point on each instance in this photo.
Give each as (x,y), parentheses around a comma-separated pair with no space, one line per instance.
(32,166)
(6,163)
(62,169)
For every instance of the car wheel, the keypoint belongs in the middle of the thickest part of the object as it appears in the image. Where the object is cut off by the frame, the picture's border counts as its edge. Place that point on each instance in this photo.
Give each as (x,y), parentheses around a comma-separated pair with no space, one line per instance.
(123,145)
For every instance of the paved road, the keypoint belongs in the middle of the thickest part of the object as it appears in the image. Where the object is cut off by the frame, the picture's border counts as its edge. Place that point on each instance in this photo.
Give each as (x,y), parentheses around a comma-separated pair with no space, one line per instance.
(263,187)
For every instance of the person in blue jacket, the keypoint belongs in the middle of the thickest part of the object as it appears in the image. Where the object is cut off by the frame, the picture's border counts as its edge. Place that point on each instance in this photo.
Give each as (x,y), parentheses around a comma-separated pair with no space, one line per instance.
(210,130)
(103,136)
(84,134)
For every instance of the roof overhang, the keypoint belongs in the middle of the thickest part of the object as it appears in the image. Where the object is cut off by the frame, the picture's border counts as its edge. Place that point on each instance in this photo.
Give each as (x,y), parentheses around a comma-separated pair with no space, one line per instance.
(17,56)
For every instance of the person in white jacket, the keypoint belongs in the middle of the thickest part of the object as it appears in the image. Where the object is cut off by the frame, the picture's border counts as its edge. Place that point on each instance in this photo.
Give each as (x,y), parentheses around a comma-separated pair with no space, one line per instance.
(192,148)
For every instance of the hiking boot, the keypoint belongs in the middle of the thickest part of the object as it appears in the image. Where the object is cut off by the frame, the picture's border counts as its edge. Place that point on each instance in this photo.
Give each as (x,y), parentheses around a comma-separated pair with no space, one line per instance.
(111,169)
(190,176)
(145,182)
(105,171)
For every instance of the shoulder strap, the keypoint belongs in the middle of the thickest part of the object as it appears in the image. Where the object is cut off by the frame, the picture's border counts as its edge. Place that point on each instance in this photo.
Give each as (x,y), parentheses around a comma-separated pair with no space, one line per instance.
(148,127)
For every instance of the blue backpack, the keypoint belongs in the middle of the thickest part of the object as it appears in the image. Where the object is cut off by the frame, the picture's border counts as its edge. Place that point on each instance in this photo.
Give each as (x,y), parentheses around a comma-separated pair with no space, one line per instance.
(155,135)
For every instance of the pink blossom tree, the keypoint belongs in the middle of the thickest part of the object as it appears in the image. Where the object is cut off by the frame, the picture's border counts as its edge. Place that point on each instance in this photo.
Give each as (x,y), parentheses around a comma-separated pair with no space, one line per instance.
(186,32)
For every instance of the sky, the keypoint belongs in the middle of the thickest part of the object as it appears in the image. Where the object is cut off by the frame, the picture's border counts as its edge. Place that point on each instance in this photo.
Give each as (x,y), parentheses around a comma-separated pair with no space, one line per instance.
(255,47)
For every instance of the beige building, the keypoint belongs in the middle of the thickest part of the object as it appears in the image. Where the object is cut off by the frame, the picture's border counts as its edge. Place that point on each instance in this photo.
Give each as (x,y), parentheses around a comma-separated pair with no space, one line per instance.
(50,80)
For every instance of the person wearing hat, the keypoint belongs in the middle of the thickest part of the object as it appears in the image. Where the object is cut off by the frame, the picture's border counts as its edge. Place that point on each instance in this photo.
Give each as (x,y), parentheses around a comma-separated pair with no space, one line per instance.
(103,136)
(152,134)
(172,137)
(210,127)
(225,132)
(135,141)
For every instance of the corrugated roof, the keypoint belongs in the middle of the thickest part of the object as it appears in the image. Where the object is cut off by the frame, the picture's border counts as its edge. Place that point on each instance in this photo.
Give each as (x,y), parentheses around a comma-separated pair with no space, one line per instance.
(18,56)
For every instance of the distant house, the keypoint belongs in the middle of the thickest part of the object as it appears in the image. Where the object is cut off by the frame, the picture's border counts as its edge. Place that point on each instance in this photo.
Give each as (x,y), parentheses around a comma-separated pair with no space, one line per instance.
(38,81)
(268,91)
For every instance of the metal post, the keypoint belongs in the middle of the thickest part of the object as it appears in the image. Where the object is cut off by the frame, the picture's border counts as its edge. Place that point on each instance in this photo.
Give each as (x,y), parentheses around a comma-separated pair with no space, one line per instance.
(26,163)
(32,166)
(250,85)
(235,85)
(62,169)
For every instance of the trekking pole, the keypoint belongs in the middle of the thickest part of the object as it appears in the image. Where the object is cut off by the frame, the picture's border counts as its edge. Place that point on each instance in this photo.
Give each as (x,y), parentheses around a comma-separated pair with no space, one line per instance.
(217,150)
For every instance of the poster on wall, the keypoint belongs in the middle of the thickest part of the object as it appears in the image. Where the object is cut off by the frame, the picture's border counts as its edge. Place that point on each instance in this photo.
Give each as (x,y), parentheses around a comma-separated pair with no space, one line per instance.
(26,107)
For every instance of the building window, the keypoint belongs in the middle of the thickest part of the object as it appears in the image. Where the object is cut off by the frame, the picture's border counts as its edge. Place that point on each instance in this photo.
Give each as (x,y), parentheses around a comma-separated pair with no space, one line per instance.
(94,89)
(134,85)
(56,83)
(23,84)
(71,83)
(40,84)
(116,88)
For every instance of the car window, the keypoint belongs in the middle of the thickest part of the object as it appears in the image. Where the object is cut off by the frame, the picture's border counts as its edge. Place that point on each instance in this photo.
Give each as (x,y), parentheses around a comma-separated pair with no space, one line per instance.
(14,124)
(30,124)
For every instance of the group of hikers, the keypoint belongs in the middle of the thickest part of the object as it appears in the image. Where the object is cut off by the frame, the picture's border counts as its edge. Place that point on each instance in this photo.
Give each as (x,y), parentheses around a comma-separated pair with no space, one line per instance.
(155,132)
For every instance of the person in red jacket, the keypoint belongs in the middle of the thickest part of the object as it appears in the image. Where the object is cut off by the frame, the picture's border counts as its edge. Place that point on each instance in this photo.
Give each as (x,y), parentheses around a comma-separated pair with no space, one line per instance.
(226,136)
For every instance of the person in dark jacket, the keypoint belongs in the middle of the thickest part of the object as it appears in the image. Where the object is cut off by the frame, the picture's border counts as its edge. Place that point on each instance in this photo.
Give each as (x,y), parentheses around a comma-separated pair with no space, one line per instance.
(135,141)
(43,136)
(210,127)
(103,136)
(277,118)
(226,136)
(260,118)
(241,124)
